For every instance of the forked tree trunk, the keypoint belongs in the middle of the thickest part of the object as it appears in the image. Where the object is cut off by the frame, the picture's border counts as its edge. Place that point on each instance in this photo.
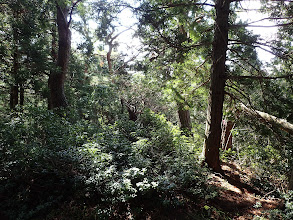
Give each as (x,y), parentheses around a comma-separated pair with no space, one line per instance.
(216,93)
(57,78)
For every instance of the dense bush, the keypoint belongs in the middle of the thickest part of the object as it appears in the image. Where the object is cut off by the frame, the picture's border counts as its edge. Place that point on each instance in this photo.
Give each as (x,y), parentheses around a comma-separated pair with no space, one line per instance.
(51,163)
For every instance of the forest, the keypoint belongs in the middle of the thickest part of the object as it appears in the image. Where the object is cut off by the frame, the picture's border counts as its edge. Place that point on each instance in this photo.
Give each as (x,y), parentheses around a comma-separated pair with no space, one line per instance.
(146,109)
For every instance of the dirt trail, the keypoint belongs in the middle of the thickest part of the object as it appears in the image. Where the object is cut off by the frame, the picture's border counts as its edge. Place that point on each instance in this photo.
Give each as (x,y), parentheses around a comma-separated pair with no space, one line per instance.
(237,197)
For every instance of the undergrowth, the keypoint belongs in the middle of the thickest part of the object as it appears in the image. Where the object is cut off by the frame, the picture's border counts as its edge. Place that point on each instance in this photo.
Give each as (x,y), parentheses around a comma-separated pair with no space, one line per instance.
(54,166)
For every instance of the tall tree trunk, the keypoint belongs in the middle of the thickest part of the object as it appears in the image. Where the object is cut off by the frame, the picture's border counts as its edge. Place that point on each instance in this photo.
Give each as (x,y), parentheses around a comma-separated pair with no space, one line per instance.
(57,78)
(185,121)
(21,95)
(216,93)
(13,96)
(14,88)
(109,61)
(54,56)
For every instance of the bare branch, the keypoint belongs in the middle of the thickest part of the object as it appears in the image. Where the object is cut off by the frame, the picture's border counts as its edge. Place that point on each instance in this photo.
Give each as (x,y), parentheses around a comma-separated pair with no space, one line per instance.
(268,18)
(173,5)
(283,56)
(240,92)
(260,26)
(71,11)
(128,61)
(117,35)
(252,66)
(261,77)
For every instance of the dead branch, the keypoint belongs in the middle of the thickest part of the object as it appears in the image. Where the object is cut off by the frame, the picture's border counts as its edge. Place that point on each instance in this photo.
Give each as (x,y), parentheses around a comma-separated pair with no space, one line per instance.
(281,123)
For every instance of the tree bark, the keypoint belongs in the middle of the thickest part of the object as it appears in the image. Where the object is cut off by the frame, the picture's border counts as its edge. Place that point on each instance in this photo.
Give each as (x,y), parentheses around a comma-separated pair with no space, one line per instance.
(185,121)
(57,78)
(109,61)
(14,88)
(216,93)
(13,96)
(280,123)
(21,96)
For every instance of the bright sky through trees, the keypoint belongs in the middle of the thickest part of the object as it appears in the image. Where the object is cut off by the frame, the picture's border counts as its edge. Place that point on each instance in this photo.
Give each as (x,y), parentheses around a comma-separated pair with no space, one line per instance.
(130,45)
(251,13)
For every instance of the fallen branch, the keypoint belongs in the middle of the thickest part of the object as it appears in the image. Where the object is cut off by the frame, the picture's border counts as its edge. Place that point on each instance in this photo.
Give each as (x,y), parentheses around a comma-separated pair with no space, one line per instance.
(281,123)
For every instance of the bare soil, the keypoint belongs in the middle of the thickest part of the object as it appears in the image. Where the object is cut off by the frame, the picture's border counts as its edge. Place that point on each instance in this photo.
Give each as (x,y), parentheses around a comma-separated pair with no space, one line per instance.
(237,197)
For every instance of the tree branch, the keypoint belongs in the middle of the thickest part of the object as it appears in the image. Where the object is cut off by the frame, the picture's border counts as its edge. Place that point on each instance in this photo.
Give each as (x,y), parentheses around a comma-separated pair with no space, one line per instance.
(252,66)
(281,123)
(260,26)
(261,77)
(201,85)
(283,56)
(240,92)
(174,5)
(71,11)
(268,18)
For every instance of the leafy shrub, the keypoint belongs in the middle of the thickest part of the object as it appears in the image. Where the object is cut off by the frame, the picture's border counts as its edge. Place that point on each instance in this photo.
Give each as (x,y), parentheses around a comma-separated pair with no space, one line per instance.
(288,212)
(38,156)
(51,163)
(156,165)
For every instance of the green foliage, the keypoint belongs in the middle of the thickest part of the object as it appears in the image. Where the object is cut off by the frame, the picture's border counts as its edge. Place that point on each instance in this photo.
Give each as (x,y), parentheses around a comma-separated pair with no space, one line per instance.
(36,156)
(89,161)
(150,163)
(265,154)
(288,213)
(103,166)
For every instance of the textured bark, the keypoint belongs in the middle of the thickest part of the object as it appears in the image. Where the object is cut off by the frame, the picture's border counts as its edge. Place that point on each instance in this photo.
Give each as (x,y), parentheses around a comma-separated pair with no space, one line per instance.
(185,121)
(57,78)
(216,93)
(13,96)
(14,88)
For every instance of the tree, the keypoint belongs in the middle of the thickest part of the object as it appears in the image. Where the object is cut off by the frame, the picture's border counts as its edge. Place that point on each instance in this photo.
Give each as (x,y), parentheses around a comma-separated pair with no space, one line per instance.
(57,78)
(14,89)
(217,89)
(26,41)
(174,33)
